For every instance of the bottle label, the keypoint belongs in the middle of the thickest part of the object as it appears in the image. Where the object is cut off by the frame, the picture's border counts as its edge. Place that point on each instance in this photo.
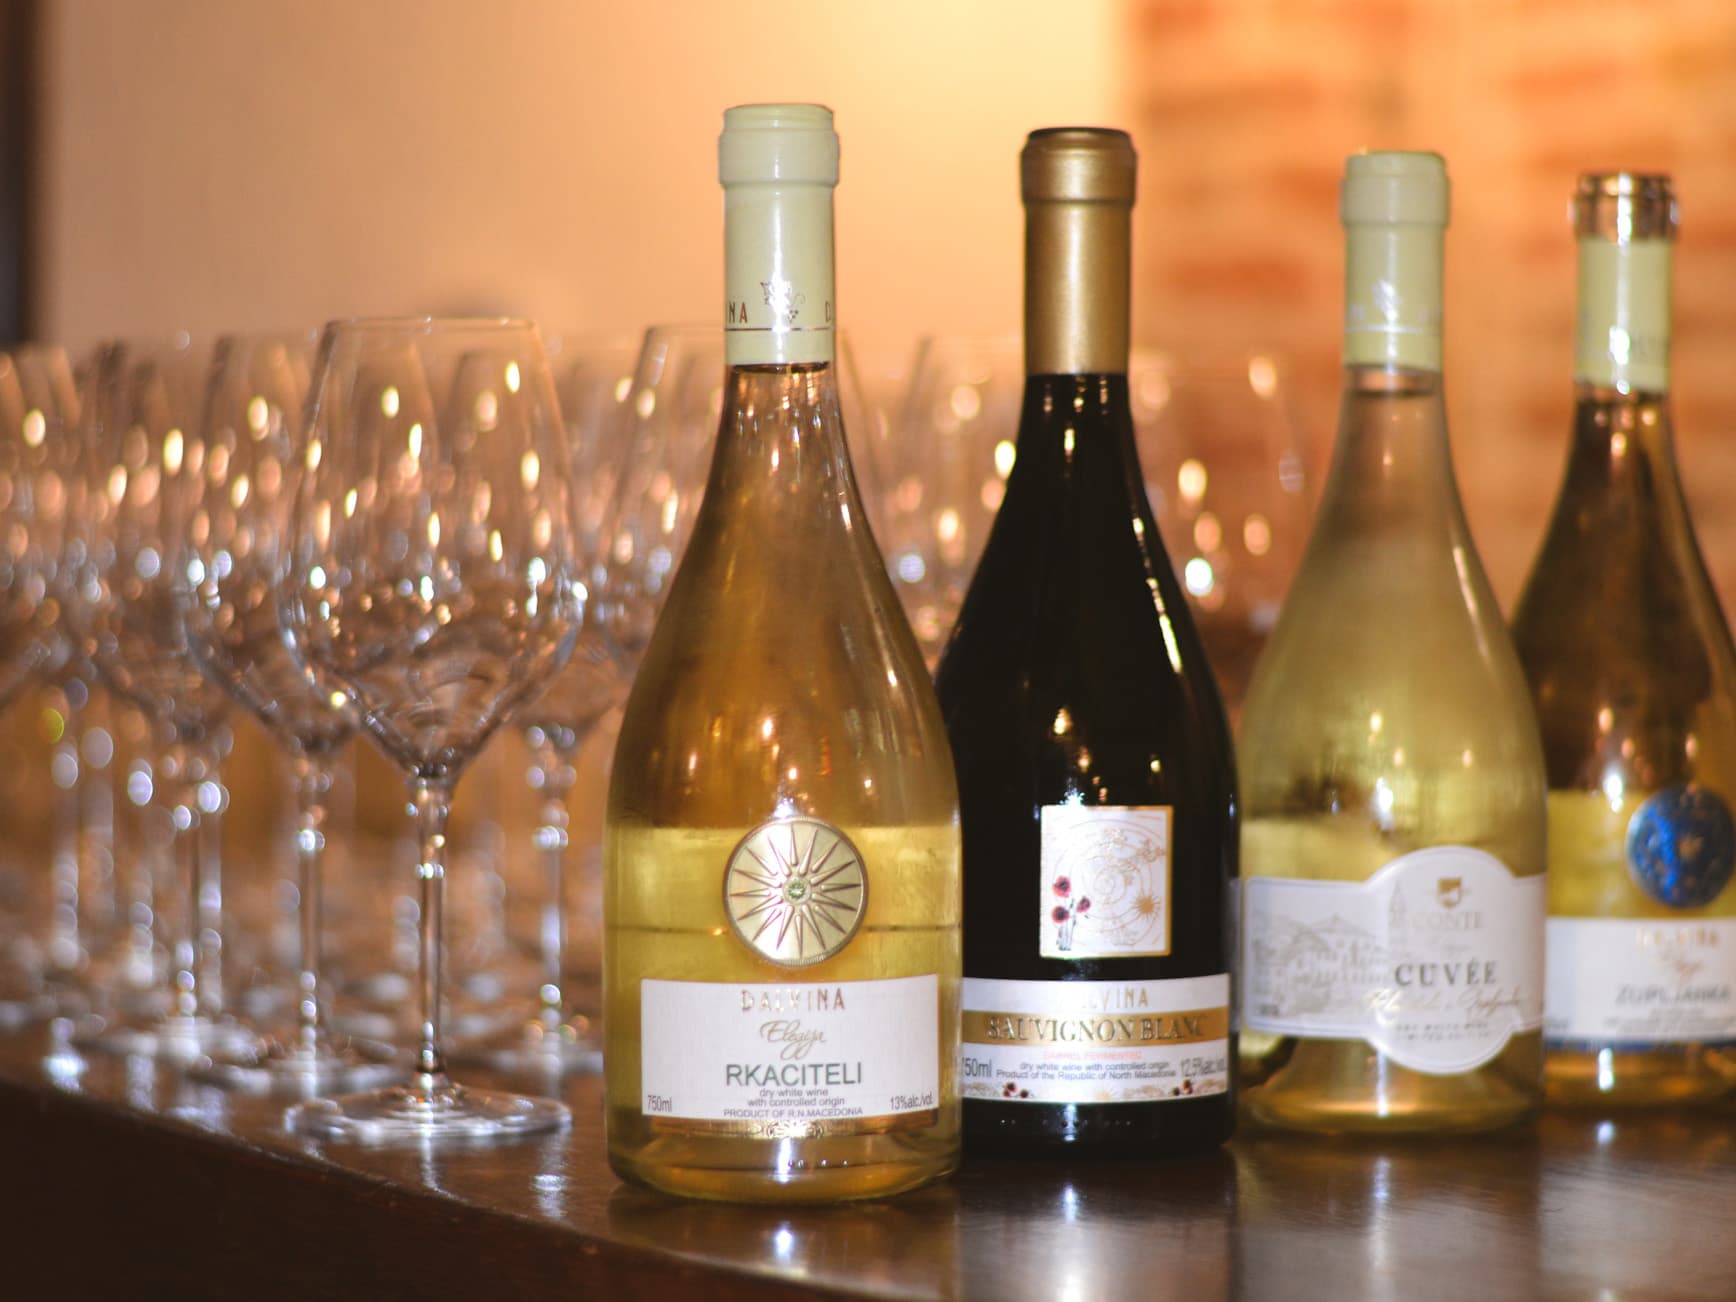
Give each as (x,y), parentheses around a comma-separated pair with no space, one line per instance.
(1096,1041)
(792,1060)
(795,890)
(1436,960)
(1641,981)
(1622,335)
(1681,846)
(1392,296)
(777,307)
(1104,889)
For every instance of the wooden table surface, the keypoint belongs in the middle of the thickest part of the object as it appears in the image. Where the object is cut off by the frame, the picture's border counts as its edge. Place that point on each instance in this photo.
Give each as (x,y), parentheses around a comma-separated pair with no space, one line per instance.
(120,1179)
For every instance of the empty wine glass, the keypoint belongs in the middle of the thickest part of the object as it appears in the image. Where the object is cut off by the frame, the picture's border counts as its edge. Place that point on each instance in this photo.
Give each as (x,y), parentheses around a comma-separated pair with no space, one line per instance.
(941,471)
(228,565)
(38,407)
(593,380)
(1224,471)
(431,582)
(142,455)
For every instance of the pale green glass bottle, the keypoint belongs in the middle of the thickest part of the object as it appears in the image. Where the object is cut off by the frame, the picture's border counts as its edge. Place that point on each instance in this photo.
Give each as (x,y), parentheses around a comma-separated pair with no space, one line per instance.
(781,880)
(1634,677)
(1394,813)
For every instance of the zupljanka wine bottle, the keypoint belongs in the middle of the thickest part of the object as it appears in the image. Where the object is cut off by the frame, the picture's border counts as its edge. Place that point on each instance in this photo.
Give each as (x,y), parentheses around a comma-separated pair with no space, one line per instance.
(1634,679)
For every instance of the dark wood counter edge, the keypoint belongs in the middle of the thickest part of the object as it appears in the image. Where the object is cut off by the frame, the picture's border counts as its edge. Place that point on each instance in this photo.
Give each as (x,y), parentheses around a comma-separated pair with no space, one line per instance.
(264,1223)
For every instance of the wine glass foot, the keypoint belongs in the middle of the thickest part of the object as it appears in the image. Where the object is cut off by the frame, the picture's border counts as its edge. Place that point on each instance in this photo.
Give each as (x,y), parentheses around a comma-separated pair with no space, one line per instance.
(176,1038)
(421,1112)
(289,1068)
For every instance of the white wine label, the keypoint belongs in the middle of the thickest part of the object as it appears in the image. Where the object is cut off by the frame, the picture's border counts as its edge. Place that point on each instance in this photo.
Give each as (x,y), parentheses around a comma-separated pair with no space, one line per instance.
(1095,1041)
(790,1058)
(1641,981)
(1436,960)
(1105,883)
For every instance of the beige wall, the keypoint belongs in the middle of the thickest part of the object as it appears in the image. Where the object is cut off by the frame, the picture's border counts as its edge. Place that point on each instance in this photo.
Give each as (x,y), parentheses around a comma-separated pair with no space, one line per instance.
(217,163)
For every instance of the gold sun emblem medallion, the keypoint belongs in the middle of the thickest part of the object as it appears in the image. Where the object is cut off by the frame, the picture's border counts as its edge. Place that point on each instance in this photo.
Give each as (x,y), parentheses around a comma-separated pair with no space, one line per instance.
(795,890)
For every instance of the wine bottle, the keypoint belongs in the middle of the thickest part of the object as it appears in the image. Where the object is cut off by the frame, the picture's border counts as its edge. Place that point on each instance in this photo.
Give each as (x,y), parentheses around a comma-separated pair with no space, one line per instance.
(1096,781)
(1634,680)
(1393,833)
(781,875)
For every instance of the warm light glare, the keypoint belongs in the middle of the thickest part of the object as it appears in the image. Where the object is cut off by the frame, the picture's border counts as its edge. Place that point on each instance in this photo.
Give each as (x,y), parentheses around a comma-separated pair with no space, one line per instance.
(1208,533)
(530,470)
(1197,575)
(35,428)
(174,449)
(1262,376)
(258,415)
(1257,535)
(389,401)
(946,525)
(1005,455)
(1191,480)
(512,377)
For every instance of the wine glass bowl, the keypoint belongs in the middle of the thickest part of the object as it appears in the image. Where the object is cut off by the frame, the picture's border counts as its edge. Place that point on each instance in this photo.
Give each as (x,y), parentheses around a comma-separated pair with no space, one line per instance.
(941,472)
(231,559)
(431,582)
(142,452)
(1224,471)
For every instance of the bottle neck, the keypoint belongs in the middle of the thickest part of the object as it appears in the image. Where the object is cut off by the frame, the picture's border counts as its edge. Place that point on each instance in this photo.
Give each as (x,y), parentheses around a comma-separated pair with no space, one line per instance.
(1622,332)
(781,441)
(1078,259)
(1392,467)
(1392,295)
(779,308)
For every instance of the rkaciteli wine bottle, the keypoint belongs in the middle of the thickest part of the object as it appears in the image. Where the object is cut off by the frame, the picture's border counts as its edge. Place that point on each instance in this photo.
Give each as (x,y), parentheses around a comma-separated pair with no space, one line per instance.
(1394,816)
(1634,679)
(1095,774)
(781,872)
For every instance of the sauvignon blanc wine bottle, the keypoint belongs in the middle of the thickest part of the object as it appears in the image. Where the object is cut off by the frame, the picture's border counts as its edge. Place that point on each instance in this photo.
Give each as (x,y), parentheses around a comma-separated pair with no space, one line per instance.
(1095,776)
(781,880)
(1393,833)
(1634,678)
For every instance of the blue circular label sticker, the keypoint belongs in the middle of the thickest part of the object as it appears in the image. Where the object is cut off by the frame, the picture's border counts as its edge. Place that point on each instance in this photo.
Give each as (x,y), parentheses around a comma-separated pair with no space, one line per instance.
(1681,846)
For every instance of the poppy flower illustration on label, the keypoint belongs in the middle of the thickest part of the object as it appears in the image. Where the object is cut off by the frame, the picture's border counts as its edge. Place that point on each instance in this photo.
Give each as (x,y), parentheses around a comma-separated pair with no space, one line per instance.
(1681,846)
(1104,891)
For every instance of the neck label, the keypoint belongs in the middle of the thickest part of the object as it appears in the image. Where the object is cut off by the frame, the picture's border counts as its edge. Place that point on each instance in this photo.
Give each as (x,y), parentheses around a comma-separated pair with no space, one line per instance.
(1622,336)
(1392,296)
(778,304)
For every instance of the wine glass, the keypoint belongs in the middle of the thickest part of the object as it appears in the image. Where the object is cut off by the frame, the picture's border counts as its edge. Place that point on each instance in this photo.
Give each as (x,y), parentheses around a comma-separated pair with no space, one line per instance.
(593,380)
(431,582)
(227,565)
(142,453)
(38,404)
(941,471)
(1224,471)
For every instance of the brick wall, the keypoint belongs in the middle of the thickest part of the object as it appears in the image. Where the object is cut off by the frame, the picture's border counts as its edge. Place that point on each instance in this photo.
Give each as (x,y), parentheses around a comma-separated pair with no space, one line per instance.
(1244,110)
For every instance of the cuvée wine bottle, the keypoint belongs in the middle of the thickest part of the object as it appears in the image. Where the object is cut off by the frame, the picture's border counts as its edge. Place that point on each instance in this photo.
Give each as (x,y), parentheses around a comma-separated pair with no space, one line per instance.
(1394,816)
(1095,775)
(1634,680)
(781,879)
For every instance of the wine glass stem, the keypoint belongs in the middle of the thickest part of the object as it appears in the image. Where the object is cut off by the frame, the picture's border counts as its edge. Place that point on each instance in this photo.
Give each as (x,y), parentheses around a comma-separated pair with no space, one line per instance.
(556,766)
(208,798)
(64,947)
(181,784)
(433,802)
(313,782)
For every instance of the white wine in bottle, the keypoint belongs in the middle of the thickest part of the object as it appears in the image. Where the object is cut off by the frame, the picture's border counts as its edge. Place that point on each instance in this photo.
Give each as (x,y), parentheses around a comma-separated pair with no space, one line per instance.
(1634,678)
(781,880)
(1394,815)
